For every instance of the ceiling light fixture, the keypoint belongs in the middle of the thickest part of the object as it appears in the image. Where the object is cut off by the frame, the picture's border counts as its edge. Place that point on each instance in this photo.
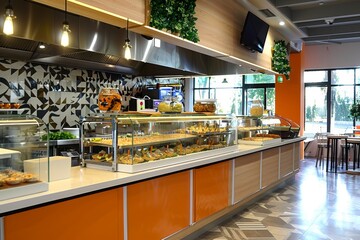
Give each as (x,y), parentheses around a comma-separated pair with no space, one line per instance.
(127,46)
(41,45)
(66,30)
(281,23)
(8,28)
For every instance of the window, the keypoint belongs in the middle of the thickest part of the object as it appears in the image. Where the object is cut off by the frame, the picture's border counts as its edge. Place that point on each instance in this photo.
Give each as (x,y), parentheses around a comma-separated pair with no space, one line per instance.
(232,91)
(227,90)
(328,97)
(260,87)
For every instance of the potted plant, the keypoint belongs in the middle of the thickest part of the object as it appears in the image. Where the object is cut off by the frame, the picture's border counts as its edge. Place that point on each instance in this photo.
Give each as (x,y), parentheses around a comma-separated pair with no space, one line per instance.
(355,110)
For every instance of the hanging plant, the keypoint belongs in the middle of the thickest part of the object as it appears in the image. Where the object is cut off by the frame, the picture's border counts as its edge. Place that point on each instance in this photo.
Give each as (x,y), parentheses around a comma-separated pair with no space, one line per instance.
(178,17)
(280,61)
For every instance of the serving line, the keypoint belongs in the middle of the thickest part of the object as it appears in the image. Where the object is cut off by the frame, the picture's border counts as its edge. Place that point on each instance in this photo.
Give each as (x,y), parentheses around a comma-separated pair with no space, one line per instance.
(87,180)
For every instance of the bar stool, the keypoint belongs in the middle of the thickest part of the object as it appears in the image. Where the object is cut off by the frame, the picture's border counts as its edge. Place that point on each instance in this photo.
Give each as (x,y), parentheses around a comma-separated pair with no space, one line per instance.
(333,142)
(355,142)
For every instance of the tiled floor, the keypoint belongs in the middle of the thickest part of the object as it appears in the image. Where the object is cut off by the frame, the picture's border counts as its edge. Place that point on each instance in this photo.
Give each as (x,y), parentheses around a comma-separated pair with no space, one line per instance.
(318,205)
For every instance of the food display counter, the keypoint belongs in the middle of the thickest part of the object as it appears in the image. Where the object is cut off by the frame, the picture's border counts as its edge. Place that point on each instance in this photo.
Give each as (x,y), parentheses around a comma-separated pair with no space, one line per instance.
(23,157)
(177,199)
(138,143)
(265,130)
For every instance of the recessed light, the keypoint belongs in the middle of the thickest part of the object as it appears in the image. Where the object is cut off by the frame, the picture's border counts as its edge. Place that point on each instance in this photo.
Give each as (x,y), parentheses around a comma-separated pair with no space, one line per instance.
(281,23)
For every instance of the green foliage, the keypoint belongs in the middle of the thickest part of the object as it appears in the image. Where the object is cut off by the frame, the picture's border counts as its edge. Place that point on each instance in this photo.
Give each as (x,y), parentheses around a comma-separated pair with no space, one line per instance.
(58,136)
(280,61)
(178,17)
(355,110)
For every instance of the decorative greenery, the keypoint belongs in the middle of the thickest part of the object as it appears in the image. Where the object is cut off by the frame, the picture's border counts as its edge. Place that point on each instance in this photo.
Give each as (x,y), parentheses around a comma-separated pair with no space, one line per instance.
(178,17)
(355,110)
(280,61)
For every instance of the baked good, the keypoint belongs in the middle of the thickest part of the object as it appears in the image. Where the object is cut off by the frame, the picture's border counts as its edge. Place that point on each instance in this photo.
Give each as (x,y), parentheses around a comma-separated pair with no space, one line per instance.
(102,156)
(257,139)
(13,180)
(28,177)
(267,135)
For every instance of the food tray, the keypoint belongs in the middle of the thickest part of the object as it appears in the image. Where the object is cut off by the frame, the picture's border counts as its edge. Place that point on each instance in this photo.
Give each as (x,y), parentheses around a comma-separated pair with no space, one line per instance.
(260,143)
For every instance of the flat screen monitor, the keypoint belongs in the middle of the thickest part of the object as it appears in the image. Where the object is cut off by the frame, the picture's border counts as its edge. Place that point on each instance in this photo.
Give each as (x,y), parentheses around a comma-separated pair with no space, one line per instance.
(254,33)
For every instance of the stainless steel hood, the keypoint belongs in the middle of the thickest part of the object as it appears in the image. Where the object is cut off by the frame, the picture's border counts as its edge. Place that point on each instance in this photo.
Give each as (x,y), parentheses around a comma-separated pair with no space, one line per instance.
(98,46)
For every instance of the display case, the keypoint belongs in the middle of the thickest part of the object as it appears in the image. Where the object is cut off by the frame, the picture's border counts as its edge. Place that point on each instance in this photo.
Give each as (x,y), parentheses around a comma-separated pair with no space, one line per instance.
(265,130)
(24,160)
(132,143)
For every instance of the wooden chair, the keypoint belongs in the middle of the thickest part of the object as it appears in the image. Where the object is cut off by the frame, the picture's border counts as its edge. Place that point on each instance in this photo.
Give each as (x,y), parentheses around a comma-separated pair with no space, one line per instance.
(321,139)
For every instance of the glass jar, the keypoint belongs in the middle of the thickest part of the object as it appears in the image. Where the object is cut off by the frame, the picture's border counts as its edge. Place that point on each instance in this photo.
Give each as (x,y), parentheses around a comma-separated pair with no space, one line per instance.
(206,105)
(170,105)
(256,109)
(109,100)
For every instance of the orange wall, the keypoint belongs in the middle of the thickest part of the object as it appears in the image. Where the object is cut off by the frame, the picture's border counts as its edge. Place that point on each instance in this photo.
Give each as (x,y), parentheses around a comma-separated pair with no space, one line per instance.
(290,93)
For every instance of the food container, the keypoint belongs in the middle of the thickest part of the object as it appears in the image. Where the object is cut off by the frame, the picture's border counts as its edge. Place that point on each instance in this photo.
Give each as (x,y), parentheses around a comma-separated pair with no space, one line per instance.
(109,100)
(170,105)
(256,109)
(206,105)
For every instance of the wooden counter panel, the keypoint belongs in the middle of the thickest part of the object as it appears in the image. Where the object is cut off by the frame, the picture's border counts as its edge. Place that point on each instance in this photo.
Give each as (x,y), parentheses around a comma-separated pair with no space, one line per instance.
(96,216)
(296,156)
(286,160)
(247,176)
(158,207)
(270,167)
(211,189)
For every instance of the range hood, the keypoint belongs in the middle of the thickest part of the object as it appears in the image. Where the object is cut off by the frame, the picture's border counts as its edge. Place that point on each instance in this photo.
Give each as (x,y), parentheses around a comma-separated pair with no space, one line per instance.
(98,46)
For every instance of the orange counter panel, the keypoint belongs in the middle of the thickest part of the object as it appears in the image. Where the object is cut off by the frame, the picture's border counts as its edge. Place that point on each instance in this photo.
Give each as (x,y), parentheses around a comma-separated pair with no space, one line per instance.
(92,217)
(211,191)
(158,207)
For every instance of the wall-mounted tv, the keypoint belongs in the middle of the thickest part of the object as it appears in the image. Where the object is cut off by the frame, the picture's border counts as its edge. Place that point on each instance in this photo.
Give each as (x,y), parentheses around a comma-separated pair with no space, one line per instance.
(254,33)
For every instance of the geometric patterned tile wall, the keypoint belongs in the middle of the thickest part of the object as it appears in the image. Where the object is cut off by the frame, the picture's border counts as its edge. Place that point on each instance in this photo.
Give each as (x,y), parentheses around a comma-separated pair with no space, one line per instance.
(59,95)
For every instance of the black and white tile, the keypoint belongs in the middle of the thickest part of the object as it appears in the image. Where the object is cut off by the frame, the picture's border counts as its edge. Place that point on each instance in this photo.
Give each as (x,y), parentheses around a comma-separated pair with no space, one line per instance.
(59,95)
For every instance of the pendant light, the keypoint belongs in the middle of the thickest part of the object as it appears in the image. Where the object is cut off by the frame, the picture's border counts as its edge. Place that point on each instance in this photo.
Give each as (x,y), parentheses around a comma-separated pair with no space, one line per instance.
(8,28)
(127,46)
(66,30)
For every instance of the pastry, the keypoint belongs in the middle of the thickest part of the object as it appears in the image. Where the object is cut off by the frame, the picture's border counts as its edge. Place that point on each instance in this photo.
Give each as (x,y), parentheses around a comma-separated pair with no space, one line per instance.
(268,135)
(28,177)
(13,180)
(257,139)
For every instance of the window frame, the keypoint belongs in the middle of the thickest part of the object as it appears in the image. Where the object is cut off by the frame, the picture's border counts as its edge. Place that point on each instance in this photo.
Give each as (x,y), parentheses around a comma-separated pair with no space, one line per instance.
(243,88)
(329,86)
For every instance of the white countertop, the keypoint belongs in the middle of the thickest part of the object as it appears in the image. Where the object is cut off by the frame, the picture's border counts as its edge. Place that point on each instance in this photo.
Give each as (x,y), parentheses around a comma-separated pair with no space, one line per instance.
(87,180)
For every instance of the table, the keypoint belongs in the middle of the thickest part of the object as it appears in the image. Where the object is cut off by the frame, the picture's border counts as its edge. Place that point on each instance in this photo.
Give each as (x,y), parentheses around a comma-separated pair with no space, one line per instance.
(332,151)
